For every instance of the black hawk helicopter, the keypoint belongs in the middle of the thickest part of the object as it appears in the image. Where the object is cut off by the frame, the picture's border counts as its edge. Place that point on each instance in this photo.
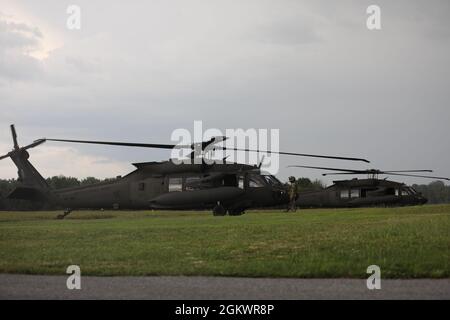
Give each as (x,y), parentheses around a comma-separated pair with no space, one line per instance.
(224,187)
(364,192)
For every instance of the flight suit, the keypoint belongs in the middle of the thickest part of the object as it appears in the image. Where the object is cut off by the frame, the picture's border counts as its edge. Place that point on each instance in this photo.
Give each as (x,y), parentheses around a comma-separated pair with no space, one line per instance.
(293,195)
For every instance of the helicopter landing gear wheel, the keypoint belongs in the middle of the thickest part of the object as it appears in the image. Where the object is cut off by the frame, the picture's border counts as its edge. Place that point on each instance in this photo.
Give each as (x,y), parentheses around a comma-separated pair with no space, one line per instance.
(219,210)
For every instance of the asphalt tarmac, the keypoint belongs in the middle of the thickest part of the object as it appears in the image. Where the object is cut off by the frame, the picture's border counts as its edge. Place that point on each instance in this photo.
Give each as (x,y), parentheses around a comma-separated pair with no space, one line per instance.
(198,288)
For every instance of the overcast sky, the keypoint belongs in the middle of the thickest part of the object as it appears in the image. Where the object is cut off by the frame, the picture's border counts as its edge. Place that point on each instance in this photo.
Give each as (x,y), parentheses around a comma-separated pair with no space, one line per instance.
(138,70)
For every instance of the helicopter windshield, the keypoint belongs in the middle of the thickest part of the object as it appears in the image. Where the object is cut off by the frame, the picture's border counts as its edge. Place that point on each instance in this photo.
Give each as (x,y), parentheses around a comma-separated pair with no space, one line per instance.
(271,180)
(255,181)
(406,191)
(412,190)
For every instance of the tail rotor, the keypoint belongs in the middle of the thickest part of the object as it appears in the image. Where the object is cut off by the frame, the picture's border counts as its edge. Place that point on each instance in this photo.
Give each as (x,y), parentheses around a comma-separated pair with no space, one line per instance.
(28,175)
(14,136)
(17,149)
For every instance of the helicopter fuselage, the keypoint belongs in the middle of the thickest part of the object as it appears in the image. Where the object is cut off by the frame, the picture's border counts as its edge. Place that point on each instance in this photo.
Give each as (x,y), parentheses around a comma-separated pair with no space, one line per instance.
(164,185)
(361,193)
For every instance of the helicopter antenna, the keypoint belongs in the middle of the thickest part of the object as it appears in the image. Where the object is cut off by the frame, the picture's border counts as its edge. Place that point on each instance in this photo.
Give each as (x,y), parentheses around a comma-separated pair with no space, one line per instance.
(261,162)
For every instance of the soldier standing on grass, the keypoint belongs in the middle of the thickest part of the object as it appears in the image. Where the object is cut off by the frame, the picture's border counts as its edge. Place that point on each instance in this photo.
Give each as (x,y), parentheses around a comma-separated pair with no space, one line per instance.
(293,194)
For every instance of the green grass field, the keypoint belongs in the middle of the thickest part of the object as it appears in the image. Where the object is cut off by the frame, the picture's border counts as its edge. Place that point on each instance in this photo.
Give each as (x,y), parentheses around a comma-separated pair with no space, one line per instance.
(405,242)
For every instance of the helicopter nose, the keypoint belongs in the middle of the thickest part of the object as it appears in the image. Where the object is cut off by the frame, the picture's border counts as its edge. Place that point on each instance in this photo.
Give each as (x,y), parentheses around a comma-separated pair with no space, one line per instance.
(278,195)
(421,199)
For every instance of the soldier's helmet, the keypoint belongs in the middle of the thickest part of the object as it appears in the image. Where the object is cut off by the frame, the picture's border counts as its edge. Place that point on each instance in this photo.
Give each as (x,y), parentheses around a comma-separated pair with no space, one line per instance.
(291,179)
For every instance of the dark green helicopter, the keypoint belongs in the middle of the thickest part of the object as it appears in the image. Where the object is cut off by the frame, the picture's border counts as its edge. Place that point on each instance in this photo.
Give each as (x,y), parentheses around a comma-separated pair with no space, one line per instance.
(223,187)
(364,192)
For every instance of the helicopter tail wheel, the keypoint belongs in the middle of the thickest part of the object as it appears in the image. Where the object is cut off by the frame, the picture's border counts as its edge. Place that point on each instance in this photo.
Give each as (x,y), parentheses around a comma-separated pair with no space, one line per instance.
(219,210)
(66,212)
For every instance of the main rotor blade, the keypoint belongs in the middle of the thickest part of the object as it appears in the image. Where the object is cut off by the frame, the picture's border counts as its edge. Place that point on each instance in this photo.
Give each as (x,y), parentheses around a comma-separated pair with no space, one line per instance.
(334,169)
(295,154)
(418,176)
(172,146)
(424,170)
(203,144)
(374,172)
(338,173)
(388,174)
(368,171)
(4,157)
(124,144)
(14,136)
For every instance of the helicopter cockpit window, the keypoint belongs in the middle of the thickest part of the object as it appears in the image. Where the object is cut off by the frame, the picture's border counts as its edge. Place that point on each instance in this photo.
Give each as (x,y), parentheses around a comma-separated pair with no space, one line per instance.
(272,180)
(406,192)
(412,190)
(344,194)
(175,184)
(354,193)
(255,182)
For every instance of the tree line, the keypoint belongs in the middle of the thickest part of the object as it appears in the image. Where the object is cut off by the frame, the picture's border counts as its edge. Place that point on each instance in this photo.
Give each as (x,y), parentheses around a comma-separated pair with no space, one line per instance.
(435,192)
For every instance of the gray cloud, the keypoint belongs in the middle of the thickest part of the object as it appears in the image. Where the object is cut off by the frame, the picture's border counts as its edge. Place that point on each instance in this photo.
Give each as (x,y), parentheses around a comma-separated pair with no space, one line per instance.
(295,29)
(16,41)
(312,69)
(18,35)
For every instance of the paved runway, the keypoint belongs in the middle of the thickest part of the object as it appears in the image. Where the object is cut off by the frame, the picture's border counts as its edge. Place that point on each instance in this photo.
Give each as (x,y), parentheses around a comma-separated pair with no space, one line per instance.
(197,288)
